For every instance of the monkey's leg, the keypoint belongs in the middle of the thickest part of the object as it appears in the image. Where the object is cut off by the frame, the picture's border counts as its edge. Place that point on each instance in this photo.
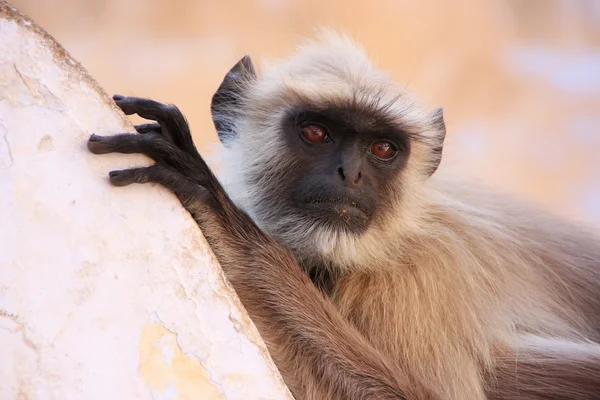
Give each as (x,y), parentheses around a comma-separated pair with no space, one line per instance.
(319,353)
(550,369)
(171,123)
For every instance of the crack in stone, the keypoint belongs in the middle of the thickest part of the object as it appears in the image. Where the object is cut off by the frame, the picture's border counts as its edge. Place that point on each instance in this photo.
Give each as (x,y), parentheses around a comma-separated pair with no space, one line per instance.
(20,328)
(6,159)
(32,84)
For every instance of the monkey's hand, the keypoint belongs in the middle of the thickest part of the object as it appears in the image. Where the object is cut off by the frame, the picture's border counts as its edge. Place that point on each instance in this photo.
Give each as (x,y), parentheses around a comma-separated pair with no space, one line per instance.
(320,355)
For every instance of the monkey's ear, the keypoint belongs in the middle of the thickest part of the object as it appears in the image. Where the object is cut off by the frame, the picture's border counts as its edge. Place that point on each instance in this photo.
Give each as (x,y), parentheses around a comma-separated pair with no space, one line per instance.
(226,101)
(439,126)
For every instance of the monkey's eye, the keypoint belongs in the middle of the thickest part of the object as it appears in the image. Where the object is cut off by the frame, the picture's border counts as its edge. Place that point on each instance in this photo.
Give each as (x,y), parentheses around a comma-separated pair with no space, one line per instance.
(383,150)
(314,133)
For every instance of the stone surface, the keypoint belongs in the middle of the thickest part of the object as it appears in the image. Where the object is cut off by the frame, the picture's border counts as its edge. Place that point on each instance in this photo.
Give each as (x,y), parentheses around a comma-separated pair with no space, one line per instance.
(105,293)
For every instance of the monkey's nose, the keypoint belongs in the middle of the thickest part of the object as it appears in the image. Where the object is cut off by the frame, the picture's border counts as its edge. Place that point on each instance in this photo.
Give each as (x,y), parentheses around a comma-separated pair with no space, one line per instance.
(350,178)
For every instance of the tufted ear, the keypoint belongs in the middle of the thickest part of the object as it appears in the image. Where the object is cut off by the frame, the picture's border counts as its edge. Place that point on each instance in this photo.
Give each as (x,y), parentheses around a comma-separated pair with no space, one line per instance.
(439,126)
(226,102)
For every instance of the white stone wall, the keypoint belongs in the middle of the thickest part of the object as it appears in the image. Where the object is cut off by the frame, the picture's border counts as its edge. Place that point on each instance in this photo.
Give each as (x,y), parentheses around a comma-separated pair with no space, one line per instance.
(105,293)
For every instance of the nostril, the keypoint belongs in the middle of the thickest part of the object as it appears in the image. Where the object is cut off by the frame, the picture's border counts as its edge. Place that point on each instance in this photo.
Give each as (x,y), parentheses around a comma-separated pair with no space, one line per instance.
(358,178)
(355,178)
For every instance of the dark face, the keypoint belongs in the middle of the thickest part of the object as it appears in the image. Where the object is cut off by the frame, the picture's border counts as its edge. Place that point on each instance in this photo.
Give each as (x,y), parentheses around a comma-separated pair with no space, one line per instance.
(340,164)
(346,163)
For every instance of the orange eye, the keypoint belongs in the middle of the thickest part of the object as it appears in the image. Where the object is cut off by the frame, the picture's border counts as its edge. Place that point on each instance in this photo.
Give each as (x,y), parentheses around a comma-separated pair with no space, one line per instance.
(382,150)
(314,133)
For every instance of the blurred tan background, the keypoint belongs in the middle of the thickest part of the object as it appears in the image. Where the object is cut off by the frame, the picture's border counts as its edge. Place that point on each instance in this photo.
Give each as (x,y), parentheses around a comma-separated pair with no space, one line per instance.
(519,80)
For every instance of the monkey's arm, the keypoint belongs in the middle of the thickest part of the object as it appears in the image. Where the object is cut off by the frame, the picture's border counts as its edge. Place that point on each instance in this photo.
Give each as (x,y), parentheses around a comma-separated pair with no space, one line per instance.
(318,352)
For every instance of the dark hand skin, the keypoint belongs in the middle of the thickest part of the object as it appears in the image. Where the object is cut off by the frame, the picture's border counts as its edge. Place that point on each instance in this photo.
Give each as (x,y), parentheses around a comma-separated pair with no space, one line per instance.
(319,354)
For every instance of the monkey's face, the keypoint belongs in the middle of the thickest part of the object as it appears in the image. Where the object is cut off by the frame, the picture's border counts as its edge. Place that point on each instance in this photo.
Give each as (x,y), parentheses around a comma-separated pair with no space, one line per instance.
(324,177)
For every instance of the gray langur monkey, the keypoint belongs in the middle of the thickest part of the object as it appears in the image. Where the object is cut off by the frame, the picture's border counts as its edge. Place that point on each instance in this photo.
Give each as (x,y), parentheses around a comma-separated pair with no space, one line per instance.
(367,275)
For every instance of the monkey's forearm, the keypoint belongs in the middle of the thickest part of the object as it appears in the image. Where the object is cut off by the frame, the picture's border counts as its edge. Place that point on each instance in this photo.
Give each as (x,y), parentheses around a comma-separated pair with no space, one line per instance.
(313,346)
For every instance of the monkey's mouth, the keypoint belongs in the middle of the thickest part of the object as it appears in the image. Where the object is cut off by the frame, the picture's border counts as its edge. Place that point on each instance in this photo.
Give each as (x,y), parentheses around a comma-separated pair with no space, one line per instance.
(346,209)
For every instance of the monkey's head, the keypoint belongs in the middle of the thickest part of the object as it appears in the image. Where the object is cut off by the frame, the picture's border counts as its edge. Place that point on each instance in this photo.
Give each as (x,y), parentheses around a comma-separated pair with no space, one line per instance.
(324,151)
